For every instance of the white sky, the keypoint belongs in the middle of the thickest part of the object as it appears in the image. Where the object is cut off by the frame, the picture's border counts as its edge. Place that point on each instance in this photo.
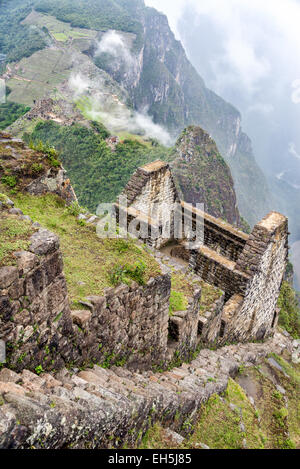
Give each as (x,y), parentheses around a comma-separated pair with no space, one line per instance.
(249,53)
(246,24)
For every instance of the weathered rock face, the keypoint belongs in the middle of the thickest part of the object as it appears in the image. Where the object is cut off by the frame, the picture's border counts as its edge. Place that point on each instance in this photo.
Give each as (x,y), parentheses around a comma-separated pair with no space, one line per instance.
(202,176)
(32,171)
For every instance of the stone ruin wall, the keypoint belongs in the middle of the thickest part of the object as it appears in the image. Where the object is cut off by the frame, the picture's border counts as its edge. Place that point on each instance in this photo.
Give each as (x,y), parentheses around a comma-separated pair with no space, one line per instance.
(248,268)
(265,256)
(127,325)
(132,325)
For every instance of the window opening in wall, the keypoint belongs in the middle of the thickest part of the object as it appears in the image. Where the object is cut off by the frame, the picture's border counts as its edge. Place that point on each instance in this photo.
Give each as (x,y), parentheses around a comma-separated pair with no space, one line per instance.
(274,319)
(222,328)
(200,328)
(173,331)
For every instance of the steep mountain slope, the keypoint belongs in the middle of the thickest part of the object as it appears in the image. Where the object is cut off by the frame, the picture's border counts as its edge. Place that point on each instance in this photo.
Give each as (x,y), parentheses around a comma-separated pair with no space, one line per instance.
(151,68)
(203,176)
(175,95)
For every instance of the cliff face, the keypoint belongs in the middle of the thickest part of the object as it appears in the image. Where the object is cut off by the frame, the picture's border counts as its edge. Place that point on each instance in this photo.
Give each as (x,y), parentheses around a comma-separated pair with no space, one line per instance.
(202,176)
(167,85)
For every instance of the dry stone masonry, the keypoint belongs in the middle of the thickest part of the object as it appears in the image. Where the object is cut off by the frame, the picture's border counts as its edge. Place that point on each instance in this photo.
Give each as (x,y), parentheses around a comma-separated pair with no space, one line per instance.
(120,338)
(248,268)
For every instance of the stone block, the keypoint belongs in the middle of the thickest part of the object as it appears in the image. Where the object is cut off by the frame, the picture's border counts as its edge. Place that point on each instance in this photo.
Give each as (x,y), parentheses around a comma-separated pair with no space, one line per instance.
(44,242)
(8,275)
(81,317)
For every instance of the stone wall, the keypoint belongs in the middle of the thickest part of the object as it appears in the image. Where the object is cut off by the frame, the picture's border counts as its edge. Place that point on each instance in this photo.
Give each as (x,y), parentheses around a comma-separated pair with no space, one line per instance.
(183,329)
(130,324)
(218,235)
(244,266)
(209,324)
(265,258)
(35,319)
(33,170)
(151,196)
(219,271)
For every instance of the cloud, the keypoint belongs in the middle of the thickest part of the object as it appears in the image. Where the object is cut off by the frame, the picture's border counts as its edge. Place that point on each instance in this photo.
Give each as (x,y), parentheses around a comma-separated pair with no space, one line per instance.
(296,93)
(100,105)
(114,44)
(172,8)
(78,84)
(293,150)
(257,38)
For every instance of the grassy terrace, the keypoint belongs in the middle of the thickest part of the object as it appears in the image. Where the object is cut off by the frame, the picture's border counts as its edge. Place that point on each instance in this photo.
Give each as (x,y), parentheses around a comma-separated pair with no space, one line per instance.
(61,31)
(14,236)
(183,288)
(88,260)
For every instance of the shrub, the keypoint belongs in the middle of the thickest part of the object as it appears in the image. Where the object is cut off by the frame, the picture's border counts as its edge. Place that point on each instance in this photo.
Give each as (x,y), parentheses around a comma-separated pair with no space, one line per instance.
(10,181)
(289,317)
(126,273)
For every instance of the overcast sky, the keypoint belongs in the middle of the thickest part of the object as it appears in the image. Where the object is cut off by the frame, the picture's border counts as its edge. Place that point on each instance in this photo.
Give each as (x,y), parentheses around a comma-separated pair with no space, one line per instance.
(248,51)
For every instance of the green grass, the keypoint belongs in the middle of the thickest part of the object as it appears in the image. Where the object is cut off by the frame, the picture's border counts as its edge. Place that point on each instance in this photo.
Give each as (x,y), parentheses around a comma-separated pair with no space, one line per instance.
(178,302)
(10,112)
(156,438)
(60,30)
(60,37)
(14,236)
(289,317)
(88,260)
(219,424)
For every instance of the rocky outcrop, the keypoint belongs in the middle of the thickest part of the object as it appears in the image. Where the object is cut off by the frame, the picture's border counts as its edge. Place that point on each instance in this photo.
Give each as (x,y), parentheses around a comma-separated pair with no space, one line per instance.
(202,176)
(34,171)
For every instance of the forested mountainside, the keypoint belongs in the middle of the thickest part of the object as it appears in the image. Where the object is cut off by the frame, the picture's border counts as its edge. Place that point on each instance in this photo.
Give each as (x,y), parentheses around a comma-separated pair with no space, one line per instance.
(100,171)
(201,173)
(141,63)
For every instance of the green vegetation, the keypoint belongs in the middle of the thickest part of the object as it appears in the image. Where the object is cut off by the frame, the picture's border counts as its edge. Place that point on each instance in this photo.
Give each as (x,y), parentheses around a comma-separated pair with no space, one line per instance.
(100,15)
(177,302)
(46,149)
(219,423)
(10,112)
(59,30)
(97,174)
(182,289)
(289,317)
(87,258)
(18,40)
(14,236)
(126,273)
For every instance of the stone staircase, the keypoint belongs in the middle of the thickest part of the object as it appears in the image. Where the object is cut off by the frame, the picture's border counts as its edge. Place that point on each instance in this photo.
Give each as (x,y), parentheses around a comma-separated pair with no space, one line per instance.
(101,408)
